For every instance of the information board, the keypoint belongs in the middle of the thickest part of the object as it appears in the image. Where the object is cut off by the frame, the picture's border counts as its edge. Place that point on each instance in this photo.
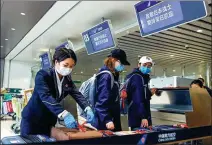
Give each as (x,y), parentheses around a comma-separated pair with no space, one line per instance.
(68,44)
(156,16)
(98,38)
(45,60)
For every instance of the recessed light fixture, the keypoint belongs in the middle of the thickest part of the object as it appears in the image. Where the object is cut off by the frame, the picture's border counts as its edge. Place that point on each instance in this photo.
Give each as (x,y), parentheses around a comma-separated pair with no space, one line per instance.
(75,73)
(13,29)
(81,72)
(23,14)
(194,73)
(172,55)
(199,31)
(1,46)
(6,39)
(44,49)
(174,70)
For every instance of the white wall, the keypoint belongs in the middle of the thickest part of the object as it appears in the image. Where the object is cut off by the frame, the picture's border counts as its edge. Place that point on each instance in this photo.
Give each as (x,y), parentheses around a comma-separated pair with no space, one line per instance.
(6,73)
(17,74)
(1,71)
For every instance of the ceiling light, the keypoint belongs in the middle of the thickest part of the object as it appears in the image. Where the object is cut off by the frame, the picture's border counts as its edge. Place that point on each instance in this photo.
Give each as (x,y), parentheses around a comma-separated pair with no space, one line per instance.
(194,73)
(75,73)
(174,70)
(81,72)
(172,55)
(6,39)
(13,29)
(23,14)
(44,49)
(95,69)
(1,46)
(199,30)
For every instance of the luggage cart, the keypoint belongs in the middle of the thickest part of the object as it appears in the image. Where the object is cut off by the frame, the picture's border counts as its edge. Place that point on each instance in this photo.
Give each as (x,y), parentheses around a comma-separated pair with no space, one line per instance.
(18,103)
(6,96)
(6,106)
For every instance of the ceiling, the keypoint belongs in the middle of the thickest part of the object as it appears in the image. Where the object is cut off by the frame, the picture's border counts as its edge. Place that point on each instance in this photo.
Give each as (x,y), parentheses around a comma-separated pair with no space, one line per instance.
(11,18)
(176,47)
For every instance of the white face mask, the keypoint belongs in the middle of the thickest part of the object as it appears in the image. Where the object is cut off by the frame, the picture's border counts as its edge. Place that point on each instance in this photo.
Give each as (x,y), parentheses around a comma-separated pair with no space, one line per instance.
(64,71)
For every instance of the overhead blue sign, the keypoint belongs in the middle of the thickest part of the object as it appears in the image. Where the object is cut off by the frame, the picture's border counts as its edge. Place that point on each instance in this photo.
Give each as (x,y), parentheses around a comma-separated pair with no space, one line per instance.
(98,38)
(45,60)
(68,44)
(156,16)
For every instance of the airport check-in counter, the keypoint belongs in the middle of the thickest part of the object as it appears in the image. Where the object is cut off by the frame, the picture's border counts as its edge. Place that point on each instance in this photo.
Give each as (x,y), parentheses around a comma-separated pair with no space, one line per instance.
(168,107)
(171,106)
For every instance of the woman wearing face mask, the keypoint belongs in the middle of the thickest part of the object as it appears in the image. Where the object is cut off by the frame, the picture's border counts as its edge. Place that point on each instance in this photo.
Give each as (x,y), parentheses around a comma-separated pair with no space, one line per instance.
(107,106)
(139,95)
(52,86)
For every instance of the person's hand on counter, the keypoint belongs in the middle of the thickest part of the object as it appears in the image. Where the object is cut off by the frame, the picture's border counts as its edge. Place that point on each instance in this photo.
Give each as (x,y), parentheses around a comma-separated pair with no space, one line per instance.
(69,121)
(144,123)
(110,125)
(153,90)
(89,115)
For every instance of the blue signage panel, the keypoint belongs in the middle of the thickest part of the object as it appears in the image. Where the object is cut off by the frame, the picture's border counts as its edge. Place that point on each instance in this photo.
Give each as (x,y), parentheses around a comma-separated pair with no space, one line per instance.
(64,45)
(98,38)
(45,60)
(156,16)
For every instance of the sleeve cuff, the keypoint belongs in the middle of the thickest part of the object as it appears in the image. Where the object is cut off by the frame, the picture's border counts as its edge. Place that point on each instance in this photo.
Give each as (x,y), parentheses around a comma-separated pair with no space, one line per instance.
(87,108)
(108,121)
(63,114)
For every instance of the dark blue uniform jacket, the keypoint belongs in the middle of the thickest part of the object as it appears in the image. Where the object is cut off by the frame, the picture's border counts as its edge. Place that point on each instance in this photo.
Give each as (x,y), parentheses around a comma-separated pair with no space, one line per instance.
(43,108)
(107,107)
(138,98)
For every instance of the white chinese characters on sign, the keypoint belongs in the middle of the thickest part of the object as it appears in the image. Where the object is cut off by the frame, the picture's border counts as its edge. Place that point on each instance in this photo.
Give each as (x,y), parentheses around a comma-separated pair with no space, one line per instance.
(101,39)
(159,15)
(166,137)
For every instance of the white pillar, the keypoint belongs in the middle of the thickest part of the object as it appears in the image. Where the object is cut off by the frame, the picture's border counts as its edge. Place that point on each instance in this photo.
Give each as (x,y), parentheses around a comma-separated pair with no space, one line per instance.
(164,72)
(183,71)
(208,75)
(6,73)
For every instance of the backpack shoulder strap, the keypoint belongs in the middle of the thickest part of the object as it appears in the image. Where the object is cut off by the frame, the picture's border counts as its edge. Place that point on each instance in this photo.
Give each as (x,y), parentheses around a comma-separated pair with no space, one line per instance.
(111,75)
(132,76)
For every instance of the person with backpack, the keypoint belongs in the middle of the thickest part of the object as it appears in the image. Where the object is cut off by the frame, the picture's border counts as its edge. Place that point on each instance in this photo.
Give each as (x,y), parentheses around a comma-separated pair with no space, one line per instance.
(51,86)
(138,94)
(106,106)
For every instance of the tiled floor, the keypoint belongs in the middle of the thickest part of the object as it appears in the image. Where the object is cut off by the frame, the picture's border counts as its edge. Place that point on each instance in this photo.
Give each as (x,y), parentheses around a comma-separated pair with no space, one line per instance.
(6,124)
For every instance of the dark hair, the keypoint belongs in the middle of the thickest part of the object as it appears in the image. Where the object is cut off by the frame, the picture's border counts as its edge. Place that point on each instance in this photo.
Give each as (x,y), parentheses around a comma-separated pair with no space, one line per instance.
(64,53)
(197,82)
(201,79)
